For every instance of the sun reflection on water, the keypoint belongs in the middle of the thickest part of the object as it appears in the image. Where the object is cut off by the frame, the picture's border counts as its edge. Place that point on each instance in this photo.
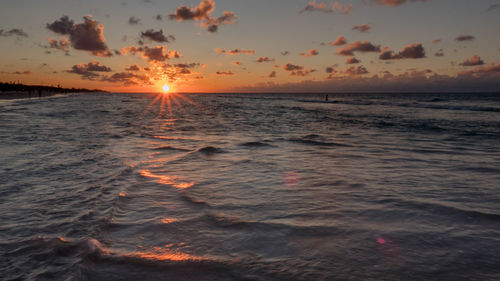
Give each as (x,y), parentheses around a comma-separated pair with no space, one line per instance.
(167,180)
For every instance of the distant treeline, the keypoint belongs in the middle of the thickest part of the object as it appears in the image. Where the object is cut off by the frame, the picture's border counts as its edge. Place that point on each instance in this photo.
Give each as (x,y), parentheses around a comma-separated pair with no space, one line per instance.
(17,87)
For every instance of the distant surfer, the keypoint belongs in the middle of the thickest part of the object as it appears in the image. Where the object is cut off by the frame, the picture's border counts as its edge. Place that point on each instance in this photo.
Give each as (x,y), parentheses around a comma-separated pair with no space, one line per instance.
(326,97)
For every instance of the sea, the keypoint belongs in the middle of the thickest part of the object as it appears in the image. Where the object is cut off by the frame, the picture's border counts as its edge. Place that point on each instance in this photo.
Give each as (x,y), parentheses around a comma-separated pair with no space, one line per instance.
(109,186)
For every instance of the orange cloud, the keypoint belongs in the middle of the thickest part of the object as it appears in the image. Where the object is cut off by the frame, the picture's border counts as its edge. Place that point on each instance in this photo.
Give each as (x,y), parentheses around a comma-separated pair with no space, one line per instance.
(341,40)
(235,52)
(358,46)
(474,61)
(310,53)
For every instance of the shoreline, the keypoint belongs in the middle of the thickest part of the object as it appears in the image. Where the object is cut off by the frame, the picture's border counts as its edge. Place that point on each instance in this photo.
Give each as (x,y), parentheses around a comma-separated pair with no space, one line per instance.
(11,95)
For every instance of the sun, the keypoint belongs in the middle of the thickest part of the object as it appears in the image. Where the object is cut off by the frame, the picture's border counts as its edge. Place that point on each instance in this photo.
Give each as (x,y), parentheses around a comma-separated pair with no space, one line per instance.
(166,88)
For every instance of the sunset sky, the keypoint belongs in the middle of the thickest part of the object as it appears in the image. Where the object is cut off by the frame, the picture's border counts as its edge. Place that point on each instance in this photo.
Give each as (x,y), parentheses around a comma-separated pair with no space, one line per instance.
(253,46)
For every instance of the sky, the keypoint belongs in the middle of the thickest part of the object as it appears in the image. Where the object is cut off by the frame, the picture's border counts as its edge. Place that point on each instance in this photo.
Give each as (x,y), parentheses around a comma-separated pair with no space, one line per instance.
(253,46)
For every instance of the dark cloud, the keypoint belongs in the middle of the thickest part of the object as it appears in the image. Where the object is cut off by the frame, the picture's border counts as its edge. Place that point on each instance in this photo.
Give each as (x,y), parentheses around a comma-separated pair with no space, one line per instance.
(310,53)
(354,71)
(127,78)
(134,21)
(13,32)
(133,67)
(159,17)
(331,70)
(272,74)
(264,59)
(474,61)
(352,60)
(412,51)
(358,46)
(334,7)
(461,38)
(439,53)
(362,28)
(224,73)
(63,26)
(158,53)
(202,13)
(341,40)
(235,52)
(494,7)
(302,73)
(237,63)
(292,67)
(88,71)
(86,36)
(285,53)
(157,36)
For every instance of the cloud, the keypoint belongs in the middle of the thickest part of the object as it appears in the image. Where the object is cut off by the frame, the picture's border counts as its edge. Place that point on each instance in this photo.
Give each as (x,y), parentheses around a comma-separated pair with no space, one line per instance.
(355,71)
(224,73)
(26,72)
(341,40)
(127,78)
(297,70)
(272,74)
(158,53)
(235,52)
(292,67)
(439,53)
(436,41)
(133,67)
(358,46)
(202,13)
(62,44)
(159,17)
(492,70)
(264,59)
(333,7)
(461,38)
(494,7)
(13,32)
(302,73)
(86,36)
(331,70)
(481,79)
(352,60)
(134,21)
(285,53)
(157,36)
(310,53)
(412,51)
(237,63)
(362,28)
(393,2)
(88,71)
(474,61)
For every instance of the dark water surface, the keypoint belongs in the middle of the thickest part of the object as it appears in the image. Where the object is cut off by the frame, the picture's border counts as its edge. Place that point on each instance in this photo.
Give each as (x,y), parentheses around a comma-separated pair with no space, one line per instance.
(250,187)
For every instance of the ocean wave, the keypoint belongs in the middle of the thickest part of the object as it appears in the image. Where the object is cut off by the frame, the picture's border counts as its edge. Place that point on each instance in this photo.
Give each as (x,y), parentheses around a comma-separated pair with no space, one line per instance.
(309,141)
(210,150)
(255,144)
(171,148)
